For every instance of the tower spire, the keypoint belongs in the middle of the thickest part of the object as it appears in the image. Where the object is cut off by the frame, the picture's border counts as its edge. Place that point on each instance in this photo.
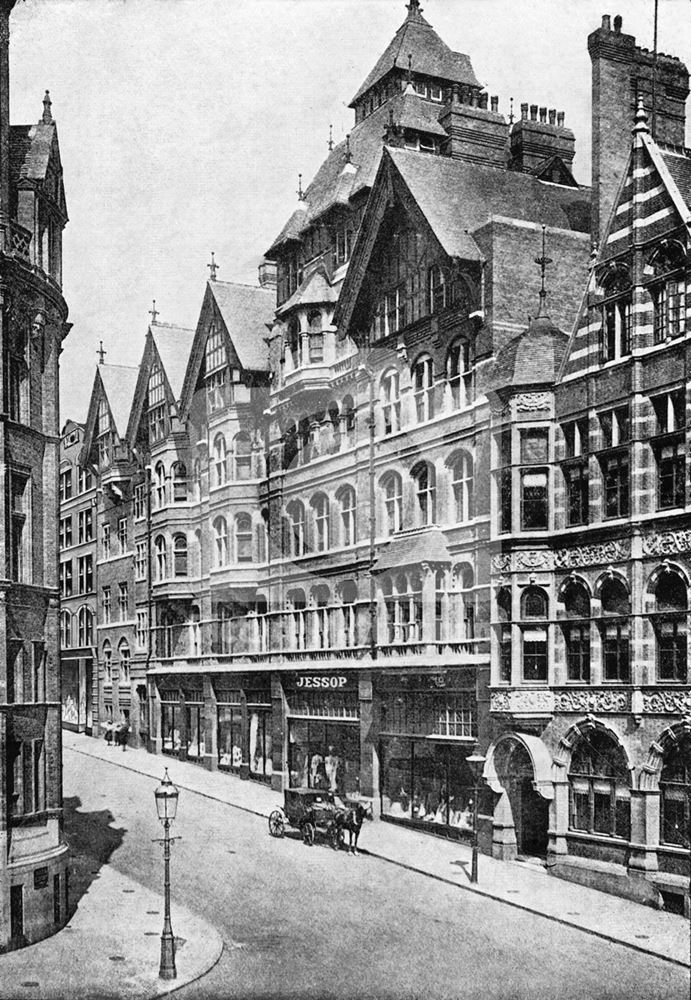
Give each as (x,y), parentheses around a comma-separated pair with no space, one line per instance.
(47,116)
(414,10)
(543,261)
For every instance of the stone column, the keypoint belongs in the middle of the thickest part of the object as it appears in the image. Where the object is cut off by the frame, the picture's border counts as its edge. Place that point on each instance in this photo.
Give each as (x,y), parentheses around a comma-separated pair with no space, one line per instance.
(210,725)
(557,847)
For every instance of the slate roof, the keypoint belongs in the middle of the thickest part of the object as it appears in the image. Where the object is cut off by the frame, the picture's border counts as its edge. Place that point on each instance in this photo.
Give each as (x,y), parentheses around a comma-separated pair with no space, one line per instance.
(458,197)
(534,356)
(413,549)
(247,312)
(680,169)
(315,290)
(173,344)
(119,383)
(430,56)
(30,147)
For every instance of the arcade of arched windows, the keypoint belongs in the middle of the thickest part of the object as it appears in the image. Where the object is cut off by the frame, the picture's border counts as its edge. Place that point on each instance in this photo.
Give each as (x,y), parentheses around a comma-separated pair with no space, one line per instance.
(586,635)
(428,605)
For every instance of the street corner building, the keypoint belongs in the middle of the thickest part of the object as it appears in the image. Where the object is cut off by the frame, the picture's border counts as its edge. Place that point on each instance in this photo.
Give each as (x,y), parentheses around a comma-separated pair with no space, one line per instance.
(422,493)
(33,872)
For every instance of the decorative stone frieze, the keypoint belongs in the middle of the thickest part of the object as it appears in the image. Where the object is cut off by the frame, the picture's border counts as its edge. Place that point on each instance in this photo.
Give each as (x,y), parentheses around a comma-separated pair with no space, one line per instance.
(533,401)
(667,543)
(505,562)
(522,702)
(501,563)
(591,555)
(667,702)
(591,701)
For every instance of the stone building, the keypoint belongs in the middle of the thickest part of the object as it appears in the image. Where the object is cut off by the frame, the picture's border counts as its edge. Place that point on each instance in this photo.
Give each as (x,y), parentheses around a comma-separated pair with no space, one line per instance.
(422,491)
(33,873)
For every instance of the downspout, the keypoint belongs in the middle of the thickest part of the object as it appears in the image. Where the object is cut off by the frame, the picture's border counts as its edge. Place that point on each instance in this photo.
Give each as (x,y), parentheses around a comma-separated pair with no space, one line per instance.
(149,594)
(372,519)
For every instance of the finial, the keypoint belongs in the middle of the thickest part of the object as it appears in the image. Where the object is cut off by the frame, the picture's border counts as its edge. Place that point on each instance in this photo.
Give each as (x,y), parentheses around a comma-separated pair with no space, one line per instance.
(101,352)
(511,114)
(414,9)
(153,312)
(300,192)
(331,138)
(349,155)
(213,267)
(543,261)
(641,124)
(47,104)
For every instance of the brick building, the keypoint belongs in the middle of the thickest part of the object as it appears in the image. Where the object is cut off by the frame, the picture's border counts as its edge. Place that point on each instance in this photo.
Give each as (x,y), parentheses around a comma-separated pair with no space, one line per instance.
(33,886)
(383,518)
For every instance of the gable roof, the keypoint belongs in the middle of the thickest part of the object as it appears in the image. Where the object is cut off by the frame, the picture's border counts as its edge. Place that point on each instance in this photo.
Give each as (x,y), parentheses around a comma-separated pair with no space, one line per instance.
(534,356)
(314,290)
(119,383)
(247,312)
(430,55)
(173,344)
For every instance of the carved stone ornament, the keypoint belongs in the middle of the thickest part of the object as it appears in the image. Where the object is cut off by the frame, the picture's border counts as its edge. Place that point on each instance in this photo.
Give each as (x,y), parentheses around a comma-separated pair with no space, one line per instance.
(501,563)
(590,555)
(533,401)
(532,560)
(499,701)
(591,701)
(667,543)
(667,702)
(523,702)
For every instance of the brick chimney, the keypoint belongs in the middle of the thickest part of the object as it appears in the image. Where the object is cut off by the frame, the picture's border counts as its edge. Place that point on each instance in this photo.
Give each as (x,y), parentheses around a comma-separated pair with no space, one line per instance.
(621,72)
(538,135)
(476,134)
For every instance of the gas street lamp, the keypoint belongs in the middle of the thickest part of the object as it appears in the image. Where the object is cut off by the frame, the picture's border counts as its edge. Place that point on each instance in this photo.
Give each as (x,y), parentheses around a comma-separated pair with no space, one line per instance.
(476,762)
(166,796)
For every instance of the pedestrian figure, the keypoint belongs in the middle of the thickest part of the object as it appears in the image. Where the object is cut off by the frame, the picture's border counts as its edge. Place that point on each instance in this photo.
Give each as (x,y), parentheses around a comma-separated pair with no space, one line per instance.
(124,732)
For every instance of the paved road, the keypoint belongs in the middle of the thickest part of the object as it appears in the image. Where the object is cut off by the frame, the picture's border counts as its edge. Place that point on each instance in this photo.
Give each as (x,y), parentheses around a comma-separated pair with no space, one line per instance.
(310,923)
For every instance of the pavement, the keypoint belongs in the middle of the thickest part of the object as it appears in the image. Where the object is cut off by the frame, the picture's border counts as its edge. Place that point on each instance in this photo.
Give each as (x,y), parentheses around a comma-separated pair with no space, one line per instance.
(519,885)
(111,948)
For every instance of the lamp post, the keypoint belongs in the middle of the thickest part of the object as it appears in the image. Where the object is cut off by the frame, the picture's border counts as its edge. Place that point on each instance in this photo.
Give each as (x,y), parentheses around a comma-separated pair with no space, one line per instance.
(476,762)
(166,796)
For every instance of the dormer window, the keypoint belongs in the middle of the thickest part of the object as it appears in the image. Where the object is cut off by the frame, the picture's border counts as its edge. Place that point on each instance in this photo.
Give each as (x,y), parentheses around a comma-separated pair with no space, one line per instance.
(104,433)
(157,405)
(616,314)
(216,370)
(668,291)
(435,93)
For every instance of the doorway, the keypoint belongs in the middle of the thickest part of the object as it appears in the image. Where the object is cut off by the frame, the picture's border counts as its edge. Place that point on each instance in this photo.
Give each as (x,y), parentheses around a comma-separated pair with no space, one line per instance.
(530,810)
(16,916)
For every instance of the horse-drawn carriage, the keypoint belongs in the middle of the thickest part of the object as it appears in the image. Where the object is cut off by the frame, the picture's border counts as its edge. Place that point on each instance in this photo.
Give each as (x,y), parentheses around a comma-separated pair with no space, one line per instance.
(315,810)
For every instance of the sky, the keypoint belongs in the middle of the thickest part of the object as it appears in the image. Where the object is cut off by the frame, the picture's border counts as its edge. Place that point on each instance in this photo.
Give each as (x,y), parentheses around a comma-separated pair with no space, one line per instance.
(183,125)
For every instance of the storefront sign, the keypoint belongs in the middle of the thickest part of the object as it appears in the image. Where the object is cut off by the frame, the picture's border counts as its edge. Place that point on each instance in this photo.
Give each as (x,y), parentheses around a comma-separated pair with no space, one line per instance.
(321,682)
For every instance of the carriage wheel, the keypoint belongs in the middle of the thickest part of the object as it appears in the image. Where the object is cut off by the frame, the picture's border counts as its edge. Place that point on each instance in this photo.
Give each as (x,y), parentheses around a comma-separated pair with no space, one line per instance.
(276,824)
(308,832)
(336,837)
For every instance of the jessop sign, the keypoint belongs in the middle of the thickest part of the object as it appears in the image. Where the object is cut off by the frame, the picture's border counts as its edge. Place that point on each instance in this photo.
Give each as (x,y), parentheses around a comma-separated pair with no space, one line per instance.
(332,682)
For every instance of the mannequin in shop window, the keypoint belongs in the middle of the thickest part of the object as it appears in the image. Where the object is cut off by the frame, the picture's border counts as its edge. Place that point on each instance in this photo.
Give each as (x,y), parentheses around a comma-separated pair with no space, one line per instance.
(317,773)
(331,765)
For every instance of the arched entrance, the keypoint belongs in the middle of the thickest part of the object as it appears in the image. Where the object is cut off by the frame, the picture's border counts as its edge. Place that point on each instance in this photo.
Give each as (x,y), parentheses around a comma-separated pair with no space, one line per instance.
(516,777)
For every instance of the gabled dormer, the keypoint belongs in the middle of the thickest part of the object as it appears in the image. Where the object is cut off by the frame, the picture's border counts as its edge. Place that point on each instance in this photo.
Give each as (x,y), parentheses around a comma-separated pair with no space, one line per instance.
(155,412)
(106,448)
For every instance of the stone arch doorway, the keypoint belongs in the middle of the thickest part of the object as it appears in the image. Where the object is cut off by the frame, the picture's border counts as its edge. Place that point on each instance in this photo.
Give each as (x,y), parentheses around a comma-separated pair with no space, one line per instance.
(516,775)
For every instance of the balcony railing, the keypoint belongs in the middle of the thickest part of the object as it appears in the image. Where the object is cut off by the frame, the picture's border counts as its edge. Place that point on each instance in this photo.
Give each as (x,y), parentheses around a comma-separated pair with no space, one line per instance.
(20,241)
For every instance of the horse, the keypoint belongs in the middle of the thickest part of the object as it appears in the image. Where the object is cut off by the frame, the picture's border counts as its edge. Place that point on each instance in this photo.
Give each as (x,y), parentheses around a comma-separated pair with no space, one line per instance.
(350,819)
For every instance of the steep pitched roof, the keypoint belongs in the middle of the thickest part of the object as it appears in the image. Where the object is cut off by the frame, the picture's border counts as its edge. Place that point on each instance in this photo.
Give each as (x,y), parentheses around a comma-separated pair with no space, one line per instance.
(679,167)
(430,55)
(456,196)
(119,383)
(247,312)
(173,344)
(534,356)
(313,291)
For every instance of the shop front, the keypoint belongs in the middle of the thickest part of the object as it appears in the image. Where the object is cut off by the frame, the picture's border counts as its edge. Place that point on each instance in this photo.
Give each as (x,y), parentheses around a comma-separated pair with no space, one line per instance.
(77,672)
(323,731)
(428,727)
(244,725)
(182,719)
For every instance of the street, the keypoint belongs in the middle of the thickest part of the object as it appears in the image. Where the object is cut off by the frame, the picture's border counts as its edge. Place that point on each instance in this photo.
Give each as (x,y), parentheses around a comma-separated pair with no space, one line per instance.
(308,922)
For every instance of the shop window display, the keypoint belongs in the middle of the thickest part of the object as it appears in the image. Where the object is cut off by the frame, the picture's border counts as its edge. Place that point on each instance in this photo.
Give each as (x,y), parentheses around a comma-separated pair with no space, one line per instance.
(230,736)
(195,732)
(261,764)
(324,755)
(170,727)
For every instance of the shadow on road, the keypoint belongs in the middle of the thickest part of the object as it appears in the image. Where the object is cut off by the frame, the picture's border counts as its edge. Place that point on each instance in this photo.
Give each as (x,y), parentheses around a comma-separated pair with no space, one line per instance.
(92,840)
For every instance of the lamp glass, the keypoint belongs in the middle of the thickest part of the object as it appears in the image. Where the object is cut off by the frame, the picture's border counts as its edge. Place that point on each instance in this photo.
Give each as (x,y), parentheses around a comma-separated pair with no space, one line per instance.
(166,796)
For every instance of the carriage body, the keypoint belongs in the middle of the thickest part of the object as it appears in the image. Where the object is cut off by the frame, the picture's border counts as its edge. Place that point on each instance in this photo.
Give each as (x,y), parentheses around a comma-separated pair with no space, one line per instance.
(311,811)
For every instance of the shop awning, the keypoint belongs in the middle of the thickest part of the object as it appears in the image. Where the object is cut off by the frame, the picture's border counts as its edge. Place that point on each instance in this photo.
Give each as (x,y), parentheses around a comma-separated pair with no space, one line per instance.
(412,549)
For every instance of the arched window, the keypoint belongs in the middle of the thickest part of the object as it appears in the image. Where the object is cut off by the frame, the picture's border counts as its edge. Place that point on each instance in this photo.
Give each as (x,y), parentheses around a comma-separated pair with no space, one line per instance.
(243,538)
(348,510)
(459,375)
(316,337)
(179,483)
(320,522)
(600,786)
(242,456)
(348,594)
(669,622)
(107,662)
(462,486)
(296,528)
(348,421)
(423,387)
(391,488)
(160,484)
(675,793)
(391,401)
(85,624)
(221,541)
(65,629)
(220,460)
(668,291)
(504,638)
(179,555)
(576,629)
(124,665)
(424,477)
(161,550)
(614,630)
(534,635)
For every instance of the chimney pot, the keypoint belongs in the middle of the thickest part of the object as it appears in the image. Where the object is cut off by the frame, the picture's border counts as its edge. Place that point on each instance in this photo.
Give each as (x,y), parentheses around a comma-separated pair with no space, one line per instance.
(524,112)
(560,119)
(543,114)
(483,101)
(618,21)
(606,22)
(552,116)
(533,112)
(495,103)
